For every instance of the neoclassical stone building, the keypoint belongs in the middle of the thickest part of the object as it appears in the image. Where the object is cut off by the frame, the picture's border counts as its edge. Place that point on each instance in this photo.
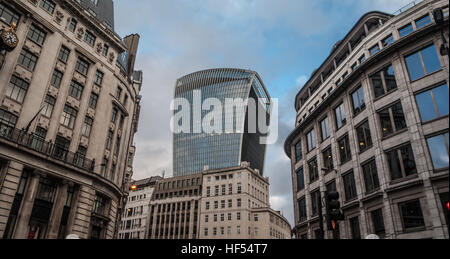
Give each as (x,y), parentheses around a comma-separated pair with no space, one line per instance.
(373,124)
(69,109)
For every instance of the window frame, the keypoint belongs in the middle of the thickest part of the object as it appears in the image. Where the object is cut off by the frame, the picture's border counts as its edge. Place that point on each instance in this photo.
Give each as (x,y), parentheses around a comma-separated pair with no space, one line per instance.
(392,121)
(419,51)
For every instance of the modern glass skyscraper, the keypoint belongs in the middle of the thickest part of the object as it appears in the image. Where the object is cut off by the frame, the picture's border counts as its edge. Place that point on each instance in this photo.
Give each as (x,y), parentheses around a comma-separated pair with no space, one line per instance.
(194,151)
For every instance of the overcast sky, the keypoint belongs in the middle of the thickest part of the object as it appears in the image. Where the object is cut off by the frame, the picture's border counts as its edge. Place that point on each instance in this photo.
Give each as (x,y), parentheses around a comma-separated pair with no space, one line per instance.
(282,40)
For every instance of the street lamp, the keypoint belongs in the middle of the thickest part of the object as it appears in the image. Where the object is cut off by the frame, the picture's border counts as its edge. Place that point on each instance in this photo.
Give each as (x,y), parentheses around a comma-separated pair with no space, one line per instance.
(438,15)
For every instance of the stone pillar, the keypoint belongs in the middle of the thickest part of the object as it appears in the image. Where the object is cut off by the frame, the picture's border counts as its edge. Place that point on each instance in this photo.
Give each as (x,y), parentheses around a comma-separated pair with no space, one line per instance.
(57,211)
(26,207)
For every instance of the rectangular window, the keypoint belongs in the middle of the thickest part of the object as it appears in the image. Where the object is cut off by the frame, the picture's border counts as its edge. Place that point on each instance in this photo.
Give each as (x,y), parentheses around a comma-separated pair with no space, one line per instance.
(350,186)
(358,100)
(98,79)
(87,126)
(17,89)
(105,50)
(383,81)
(401,162)
(72,25)
(298,151)
(27,60)
(48,6)
(405,30)
(49,105)
(315,199)
(325,129)
(378,223)
(423,62)
(100,205)
(364,136)
(422,22)
(109,140)
(38,139)
(374,50)
(362,59)
(114,115)
(82,67)
(93,101)
(371,180)
(76,90)
(8,15)
(118,93)
(63,55)
(313,170)
(36,35)
(433,104)
(302,209)
(439,150)
(328,160)
(341,118)
(388,41)
(89,38)
(300,179)
(355,229)
(68,117)
(7,123)
(412,216)
(392,119)
(311,136)
(56,78)
(344,150)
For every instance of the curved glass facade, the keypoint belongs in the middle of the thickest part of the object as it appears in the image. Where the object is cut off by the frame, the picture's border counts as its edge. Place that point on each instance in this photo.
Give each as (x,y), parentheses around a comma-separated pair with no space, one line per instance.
(192,152)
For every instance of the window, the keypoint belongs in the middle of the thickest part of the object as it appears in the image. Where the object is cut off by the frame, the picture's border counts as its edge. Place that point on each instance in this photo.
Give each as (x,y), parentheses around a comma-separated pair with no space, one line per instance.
(75,90)
(392,119)
(362,59)
(89,38)
(48,6)
(8,15)
(239,203)
(298,151)
(412,216)
(359,103)
(68,117)
(401,162)
(315,199)
(302,209)
(300,179)
(405,30)
(27,60)
(98,79)
(383,81)
(350,186)
(238,216)
(239,188)
(114,115)
(311,136)
(56,78)
(80,156)
(325,129)
(100,205)
(423,62)
(331,186)
(433,104)
(105,50)
(378,223)
(82,67)
(87,126)
(49,105)
(388,41)
(341,119)
(354,228)
(72,25)
(439,150)
(38,139)
(216,190)
(422,22)
(63,55)
(364,136)
(118,93)
(36,35)
(344,150)
(374,50)
(328,160)
(371,180)
(17,89)
(313,170)
(109,139)
(7,122)
(93,101)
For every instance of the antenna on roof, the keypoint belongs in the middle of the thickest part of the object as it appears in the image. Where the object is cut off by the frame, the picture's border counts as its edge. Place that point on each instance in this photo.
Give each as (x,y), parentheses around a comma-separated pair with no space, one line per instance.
(163,173)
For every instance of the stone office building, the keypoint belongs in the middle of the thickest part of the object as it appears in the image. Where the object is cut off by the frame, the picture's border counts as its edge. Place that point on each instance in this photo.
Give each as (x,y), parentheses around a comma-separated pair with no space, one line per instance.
(372,124)
(69,109)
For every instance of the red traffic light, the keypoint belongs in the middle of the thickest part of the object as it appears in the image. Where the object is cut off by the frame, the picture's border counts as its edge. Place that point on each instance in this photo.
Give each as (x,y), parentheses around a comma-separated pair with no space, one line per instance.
(447,206)
(133,187)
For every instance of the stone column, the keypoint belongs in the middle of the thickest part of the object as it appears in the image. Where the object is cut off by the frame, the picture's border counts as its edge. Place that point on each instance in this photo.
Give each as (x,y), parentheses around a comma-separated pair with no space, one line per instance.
(57,211)
(26,207)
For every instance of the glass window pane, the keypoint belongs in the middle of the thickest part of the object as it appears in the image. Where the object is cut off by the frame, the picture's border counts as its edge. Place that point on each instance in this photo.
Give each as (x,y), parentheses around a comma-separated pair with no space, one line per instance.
(441,96)
(415,66)
(438,151)
(426,106)
(377,84)
(431,60)
(389,78)
(394,165)
(408,160)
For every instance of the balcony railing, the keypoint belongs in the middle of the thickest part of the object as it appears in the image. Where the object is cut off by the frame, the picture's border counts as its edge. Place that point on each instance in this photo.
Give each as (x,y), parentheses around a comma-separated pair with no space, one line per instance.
(407,7)
(38,144)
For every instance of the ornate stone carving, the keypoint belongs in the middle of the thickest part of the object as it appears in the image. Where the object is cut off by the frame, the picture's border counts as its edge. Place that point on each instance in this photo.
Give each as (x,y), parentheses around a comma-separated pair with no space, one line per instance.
(99,47)
(80,33)
(59,16)
(111,57)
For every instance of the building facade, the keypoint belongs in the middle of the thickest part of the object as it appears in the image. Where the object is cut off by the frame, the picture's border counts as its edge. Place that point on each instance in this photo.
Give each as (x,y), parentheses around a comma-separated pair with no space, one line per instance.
(229,203)
(69,108)
(372,124)
(195,148)
(134,218)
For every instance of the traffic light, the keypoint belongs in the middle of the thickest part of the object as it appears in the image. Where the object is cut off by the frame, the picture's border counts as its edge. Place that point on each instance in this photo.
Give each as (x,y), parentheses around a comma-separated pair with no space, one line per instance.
(133,188)
(334,213)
